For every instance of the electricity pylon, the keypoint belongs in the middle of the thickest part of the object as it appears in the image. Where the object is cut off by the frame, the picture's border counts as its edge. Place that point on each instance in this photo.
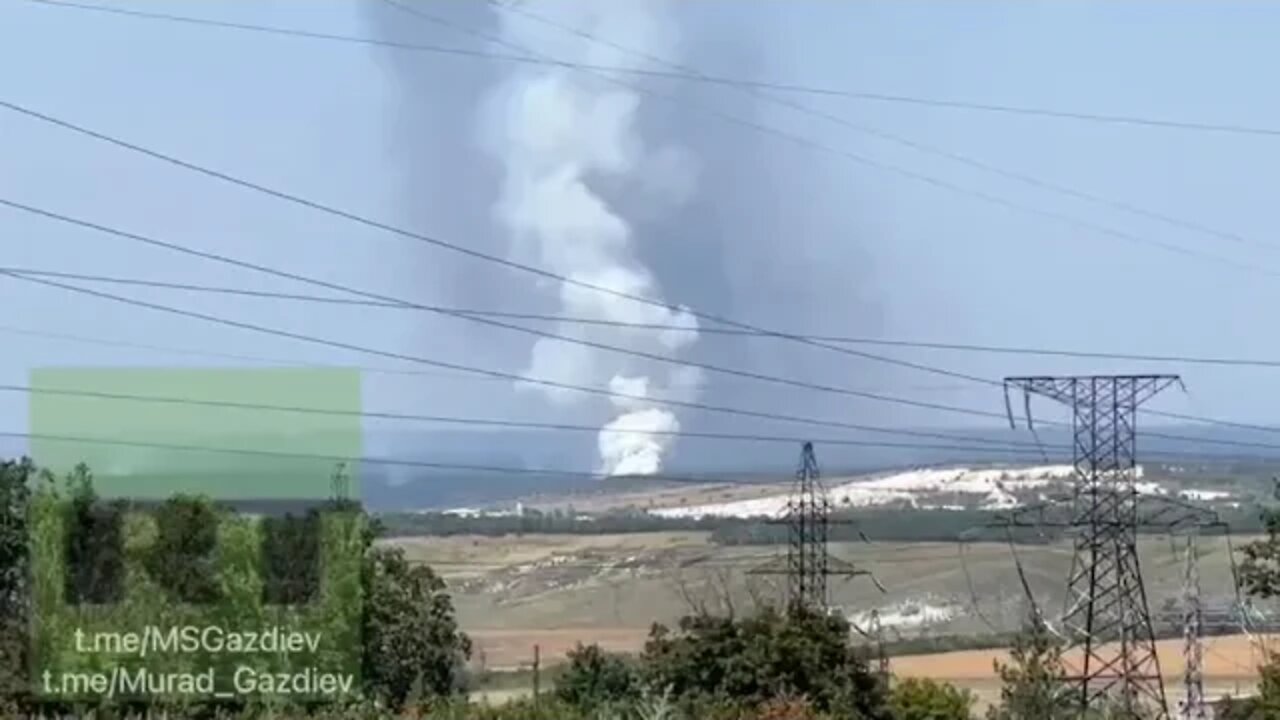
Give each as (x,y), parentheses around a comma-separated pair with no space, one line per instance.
(808,563)
(1192,705)
(1107,620)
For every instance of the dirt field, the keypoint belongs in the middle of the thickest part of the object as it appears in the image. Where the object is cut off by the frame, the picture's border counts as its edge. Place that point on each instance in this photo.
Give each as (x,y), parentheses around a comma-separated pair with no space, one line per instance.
(552,582)
(1230,661)
(1228,657)
(1230,667)
(553,591)
(513,649)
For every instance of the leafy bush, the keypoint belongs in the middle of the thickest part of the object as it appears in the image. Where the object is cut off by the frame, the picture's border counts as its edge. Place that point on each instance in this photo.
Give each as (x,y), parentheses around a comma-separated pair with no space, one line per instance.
(15,569)
(1032,684)
(413,649)
(410,647)
(182,558)
(763,657)
(924,699)
(291,558)
(594,679)
(93,545)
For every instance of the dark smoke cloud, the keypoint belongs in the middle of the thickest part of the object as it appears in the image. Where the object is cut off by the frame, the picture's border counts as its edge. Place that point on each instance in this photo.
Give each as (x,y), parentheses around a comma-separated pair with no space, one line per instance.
(767,235)
(774,236)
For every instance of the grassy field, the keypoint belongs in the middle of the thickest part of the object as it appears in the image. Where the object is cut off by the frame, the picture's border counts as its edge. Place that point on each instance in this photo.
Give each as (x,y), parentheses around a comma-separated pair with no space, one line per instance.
(553,591)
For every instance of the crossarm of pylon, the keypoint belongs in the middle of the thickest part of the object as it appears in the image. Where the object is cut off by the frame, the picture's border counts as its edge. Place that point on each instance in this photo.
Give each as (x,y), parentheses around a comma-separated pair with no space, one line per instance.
(1174,514)
(1047,511)
(1155,512)
(1060,389)
(776,566)
(1064,389)
(1051,513)
(837,566)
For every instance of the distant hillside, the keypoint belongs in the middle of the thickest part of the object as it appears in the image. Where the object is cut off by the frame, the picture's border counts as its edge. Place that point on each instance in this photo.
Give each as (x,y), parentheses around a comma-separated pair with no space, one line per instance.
(405,487)
(401,488)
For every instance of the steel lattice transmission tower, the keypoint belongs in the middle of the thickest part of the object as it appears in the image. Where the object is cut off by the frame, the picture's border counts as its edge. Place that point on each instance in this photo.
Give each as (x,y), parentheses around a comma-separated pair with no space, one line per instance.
(340,484)
(808,563)
(1107,621)
(1192,705)
(808,524)
(876,631)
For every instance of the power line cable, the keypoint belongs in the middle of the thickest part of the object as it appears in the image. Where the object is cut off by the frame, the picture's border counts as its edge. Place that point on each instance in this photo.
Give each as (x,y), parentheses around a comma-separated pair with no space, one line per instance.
(469,252)
(293,362)
(812,386)
(664,327)
(1214,421)
(927,179)
(485,422)
(439,243)
(475,254)
(372,460)
(705,78)
(457,248)
(492,373)
(891,137)
(811,144)
(466,251)
(263,359)
(754,86)
(656,357)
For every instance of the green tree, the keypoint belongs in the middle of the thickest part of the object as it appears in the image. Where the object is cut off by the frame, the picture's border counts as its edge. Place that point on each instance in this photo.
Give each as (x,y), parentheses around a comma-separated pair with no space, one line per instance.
(291,558)
(182,559)
(1229,708)
(15,495)
(763,657)
(1259,577)
(1259,571)
(413,650)
(925,699)
(94,542)
(594,678)
(1031,683)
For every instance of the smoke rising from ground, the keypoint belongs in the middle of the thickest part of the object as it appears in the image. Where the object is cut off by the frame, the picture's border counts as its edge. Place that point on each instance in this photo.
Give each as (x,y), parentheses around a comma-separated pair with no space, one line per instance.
(653,197)
(558,134)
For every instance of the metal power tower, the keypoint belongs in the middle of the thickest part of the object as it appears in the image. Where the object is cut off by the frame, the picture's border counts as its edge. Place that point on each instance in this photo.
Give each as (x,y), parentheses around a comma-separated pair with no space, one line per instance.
(1192,705)
(876,633)
(808,523)
(1107,620)
(340,484)
(808,563)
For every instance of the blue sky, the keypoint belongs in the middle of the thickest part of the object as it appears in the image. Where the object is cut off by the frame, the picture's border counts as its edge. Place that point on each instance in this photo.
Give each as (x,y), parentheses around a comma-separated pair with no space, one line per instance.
(773,233)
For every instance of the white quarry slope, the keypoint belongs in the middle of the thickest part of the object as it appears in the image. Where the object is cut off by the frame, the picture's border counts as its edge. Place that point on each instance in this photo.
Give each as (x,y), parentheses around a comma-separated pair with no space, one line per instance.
(924,488)
(908,614)
(1204,495)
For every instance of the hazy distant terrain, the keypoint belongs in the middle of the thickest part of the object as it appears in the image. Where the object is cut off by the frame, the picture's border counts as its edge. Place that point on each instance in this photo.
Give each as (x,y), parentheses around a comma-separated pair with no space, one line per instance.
(555,591)
(608,584)
(516,591)
(391,487)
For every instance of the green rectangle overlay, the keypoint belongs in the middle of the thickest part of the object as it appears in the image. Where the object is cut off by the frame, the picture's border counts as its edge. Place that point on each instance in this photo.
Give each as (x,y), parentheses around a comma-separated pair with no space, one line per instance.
(167,452)
(149,433)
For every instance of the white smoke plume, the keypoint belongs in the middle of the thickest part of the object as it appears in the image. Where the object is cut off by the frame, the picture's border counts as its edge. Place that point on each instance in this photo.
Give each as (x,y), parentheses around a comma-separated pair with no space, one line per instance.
(558,134)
